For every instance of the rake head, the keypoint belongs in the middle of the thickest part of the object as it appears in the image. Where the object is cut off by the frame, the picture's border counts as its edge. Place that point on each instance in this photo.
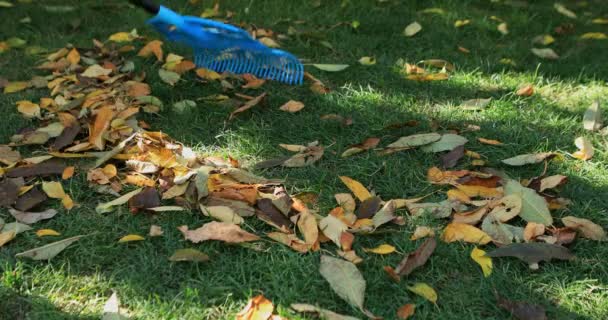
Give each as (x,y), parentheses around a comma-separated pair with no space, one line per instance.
(223,47)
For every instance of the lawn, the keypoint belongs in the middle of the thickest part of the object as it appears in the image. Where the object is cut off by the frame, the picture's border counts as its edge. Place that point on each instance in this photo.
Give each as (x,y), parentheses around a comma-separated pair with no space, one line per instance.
(76,284)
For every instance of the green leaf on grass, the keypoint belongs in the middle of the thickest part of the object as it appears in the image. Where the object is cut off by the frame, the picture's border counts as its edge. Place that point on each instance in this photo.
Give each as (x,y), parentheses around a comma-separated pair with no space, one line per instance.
(534,207)
(447,142)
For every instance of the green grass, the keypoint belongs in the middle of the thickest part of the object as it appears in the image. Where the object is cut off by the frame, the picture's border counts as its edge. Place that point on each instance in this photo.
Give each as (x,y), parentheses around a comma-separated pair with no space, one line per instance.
(76,283)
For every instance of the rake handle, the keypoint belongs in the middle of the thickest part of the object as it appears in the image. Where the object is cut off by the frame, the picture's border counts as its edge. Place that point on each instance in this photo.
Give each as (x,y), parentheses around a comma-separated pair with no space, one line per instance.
(148,5)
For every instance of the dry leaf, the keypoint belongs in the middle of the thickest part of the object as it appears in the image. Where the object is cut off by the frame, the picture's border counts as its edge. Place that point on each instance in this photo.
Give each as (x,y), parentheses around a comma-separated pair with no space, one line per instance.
(68,172)
(464,232)
(447,142)
(330,67)
(17,86)
(367,61)
(169,77)
(415,140)
(367,144)
(252,81)
(55,190)
(221,231)
(482,260)
(28,109)
(417,258)
(424,290)
(592,120)
(152,47)
(47,252)
(381,249)
(534,207)
(32,217)
(585,147)
(257,308)
(356,188)
(586,227)
(6,237)
(109,206)
(131,237)
(545,53)
(406,311)
(290,240)
(47,232)
(422,232)
(503,28)
(292,106)
(531,158)
(594,36)
(155,231)
(96,71)
(525,91)
(192,255)
(563,10)
(552,182)
(248,105)
(533,230)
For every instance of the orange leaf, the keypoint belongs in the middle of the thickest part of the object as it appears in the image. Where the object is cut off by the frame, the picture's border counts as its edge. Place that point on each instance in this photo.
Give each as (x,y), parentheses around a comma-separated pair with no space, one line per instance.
(480,191)
(525,91)
(184,66)
(140,180)
(73,57)
(489,141)
(68,172)
(258,308)
(406,311)
(153,47)
(252,81)
(100,126)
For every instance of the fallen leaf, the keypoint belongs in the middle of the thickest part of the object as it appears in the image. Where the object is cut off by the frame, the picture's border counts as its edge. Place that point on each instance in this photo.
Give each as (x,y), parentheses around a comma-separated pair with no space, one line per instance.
(525,91)
(184,105)
(534,207)
(9,192)
(585,147)
(55,190)
(446,143)
(417,258)
(503,28)
(367,61)
(424,290)
(123,36)
(47,232)
(222,213)
(131,237)
(257,308)
(451,158)
(146,199)
(532,253)
(422,232)
(346,281)
(381,249)
(155,231)
(531,158)
(563,10)
(545,53)
(350,256)
(248,105)
(330,67)
(32,217)
(269,42)
(47,252)
(290,240)
(292,106)
(333,228)
(356,188)
(522,310)
(322,313)
(367,144)
(192,255)
(586,227)
(594,36)
(252,81)
(6,237)
(475,104)
(28,109)
(412,29)
(482,260)
(16,86)
(552,182)
(592,119)
(109,206)
(152,47)
(406,311)
(415,140)
(96,71)
(507,208)
(464,232)
(533,230)
(221,231)
(438,63)
(307,224)
(169,77)
(461,23)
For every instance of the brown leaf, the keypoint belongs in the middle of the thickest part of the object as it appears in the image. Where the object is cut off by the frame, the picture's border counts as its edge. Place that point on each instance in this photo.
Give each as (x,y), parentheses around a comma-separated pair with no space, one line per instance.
(227,232)
(489,141)
(292,106)
(522,310)
(451,158)
(533,230)
(32,217)
(367,144)
(258,308)
(67,137)
(491,182)
(525,91)
(137,89)
(30,199)
(148,198)
(252,81)
(184,66)
(50,167)
(436,176)
(586,227)
(368,208)
(248,105)
(417,258)
(563,235)
(290,240)
(8,192)
(268,213)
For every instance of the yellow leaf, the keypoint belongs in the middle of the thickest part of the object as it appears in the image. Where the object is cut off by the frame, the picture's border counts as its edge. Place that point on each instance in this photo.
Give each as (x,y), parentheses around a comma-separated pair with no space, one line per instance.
(381,249)
(53,189)
(28,109)
(461,23)
(424,290)
(13,87)
(357,188)
(131,237)
(67,202)
(110,171)
(455,194)
(73,57)
(6,237)
(599,21)
(269,42)
(428,76)
(100,126)
(585,149)
(464,232)
(480,191)
(47,232)
(153,47)
(68,172)
(489,141)
(484,261)
(503,28)
(367,61)
(208,74)
(594,36)
(123,36)
(258,308)
(421,232)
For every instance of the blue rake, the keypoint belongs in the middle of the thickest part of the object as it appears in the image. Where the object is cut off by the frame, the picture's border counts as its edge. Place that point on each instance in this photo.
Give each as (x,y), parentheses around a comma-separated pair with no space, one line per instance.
(223,47)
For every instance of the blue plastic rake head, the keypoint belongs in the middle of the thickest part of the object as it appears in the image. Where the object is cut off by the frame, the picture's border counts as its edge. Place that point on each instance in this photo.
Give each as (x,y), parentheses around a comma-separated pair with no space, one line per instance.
(223,47)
